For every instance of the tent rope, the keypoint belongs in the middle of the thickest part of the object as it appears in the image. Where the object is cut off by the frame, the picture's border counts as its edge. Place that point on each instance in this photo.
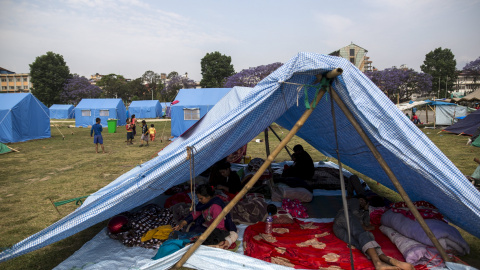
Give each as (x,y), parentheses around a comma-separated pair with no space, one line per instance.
(342,183)
(5,116)
(63,136)
(191,157)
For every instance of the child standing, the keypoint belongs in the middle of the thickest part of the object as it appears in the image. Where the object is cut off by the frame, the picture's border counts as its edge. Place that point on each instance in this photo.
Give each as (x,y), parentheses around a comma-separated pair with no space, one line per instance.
(152,132)
(129,132)
(144,133)
(97,139)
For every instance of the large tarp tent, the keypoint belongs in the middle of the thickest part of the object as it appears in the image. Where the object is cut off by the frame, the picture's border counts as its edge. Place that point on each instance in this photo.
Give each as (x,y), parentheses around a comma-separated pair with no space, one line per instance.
(89,109)
(61,111)
(192,105)
(467,125)
(422,169)
(145,109)
(23,117)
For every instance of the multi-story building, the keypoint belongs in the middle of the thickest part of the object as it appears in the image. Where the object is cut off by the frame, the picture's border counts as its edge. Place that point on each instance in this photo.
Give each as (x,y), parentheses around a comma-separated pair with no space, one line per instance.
(356,55)
(12,82)
(466,83)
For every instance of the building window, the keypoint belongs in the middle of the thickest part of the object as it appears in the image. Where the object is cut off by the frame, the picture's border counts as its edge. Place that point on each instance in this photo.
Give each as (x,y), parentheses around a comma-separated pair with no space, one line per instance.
(10,79)
(25,87)
(104,112)
(4,88)
(352,52)
(352,60)
(12,87)
(25,79)
(191,114)
(86,113)
(4,80)
(19,87)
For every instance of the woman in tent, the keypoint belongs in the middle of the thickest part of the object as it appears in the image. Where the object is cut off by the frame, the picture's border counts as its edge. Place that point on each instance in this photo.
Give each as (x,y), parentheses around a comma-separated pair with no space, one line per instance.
(208,208)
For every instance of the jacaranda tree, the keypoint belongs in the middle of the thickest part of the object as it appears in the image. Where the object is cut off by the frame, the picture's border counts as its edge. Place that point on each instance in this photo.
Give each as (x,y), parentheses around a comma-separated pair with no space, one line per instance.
(175,83)
(472,70)
(401,83)
(77,88)
(251,76)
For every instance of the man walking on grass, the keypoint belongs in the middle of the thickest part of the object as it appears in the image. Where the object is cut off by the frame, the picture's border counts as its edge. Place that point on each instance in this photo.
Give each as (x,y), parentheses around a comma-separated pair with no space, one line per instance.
(97,139)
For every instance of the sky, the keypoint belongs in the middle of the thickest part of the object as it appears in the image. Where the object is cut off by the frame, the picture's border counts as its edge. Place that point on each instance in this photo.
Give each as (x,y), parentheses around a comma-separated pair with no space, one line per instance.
(129,37)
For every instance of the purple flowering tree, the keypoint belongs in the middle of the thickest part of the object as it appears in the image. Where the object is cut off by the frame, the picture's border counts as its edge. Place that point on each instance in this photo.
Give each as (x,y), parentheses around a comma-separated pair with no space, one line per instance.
(175,83)
(77,88)
(251,76)
(401,83)
(472,70)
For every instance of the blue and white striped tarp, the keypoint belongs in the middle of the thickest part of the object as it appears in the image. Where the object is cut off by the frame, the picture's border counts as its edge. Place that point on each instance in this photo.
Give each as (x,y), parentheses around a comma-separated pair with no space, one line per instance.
(422,169)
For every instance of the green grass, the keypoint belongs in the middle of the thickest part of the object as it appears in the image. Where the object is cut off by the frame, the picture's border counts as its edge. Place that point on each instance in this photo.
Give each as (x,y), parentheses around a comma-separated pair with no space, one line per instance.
(59,169)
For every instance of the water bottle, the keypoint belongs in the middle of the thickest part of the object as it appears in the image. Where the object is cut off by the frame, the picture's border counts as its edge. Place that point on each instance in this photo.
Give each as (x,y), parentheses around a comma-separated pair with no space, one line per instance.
(268,224)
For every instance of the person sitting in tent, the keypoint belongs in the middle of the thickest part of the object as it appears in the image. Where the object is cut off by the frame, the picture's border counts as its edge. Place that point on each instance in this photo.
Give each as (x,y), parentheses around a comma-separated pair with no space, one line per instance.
(230,183)
(208,208)
(415,119)
(302,167)
(360,237)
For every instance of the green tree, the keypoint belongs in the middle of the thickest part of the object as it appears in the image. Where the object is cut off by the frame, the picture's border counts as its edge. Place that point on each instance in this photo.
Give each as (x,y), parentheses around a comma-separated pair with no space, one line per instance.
(114,86)
(49,73)
(216,67)
(172,74)
(441,64)
(152,82)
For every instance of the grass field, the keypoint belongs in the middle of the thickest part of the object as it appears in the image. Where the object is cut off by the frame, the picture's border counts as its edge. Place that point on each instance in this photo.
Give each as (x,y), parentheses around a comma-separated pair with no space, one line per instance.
(57,169)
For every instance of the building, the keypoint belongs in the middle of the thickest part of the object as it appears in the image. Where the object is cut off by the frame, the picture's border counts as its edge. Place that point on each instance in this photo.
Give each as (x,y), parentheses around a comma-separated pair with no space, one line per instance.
(467,83)
(356,55)
(12,82)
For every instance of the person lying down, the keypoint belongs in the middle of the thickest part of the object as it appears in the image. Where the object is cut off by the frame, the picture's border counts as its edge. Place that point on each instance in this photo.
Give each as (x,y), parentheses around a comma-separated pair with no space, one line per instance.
(207,210)
(360,236)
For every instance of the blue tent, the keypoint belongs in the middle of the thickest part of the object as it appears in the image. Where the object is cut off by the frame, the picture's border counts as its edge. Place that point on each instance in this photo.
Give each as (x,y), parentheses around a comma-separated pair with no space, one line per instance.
(192,105)
(145,109)
(466,126)
(23,117)
(60,111)
(89,109)
(421,168)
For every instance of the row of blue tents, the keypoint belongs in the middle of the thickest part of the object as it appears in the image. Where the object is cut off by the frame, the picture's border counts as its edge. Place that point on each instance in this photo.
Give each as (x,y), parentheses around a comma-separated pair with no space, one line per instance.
(141,108)
(23,117)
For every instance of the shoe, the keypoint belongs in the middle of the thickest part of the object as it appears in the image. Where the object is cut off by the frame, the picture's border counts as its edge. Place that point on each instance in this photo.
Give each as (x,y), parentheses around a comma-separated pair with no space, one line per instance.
(147,145)
(141,145)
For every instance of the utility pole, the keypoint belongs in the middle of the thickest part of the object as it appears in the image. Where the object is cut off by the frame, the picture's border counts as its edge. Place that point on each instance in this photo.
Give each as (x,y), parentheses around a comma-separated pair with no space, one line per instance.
(446,84)
(438,92)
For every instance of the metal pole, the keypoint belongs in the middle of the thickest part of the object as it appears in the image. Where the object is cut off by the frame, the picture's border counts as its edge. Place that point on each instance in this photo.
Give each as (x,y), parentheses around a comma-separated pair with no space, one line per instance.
(265,165)
(278,137)
(390,175)
(267,144)
(446,83)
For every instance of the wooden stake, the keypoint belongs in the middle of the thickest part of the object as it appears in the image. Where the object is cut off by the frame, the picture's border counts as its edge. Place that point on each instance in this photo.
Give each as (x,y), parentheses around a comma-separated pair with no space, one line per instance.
(267,144)
(257,175)
(390,175)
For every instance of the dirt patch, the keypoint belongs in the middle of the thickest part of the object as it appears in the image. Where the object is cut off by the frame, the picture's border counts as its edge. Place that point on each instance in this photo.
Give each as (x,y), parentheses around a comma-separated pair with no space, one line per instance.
(65,168)
(45,178)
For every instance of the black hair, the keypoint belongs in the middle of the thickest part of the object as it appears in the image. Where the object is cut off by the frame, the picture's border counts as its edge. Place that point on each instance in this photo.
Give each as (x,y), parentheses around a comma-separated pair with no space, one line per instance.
(224,165)
(297,148)
(361,196)
(144,122)
(133,115)
(377,201)
(152,125)
(97,120)
(272,209)
(205,190)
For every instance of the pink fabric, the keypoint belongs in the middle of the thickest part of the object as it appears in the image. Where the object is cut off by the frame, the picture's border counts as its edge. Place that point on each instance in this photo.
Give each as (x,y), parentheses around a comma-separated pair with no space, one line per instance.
(294,208)
(426,210)
(209,215)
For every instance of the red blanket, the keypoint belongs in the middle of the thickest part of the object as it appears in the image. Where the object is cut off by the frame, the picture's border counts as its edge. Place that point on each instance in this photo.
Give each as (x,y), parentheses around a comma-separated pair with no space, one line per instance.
(309,245)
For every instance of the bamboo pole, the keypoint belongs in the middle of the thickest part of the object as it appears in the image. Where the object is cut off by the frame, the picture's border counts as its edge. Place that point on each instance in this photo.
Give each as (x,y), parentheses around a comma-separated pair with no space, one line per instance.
(265,165)
(390,175)
(278,137)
